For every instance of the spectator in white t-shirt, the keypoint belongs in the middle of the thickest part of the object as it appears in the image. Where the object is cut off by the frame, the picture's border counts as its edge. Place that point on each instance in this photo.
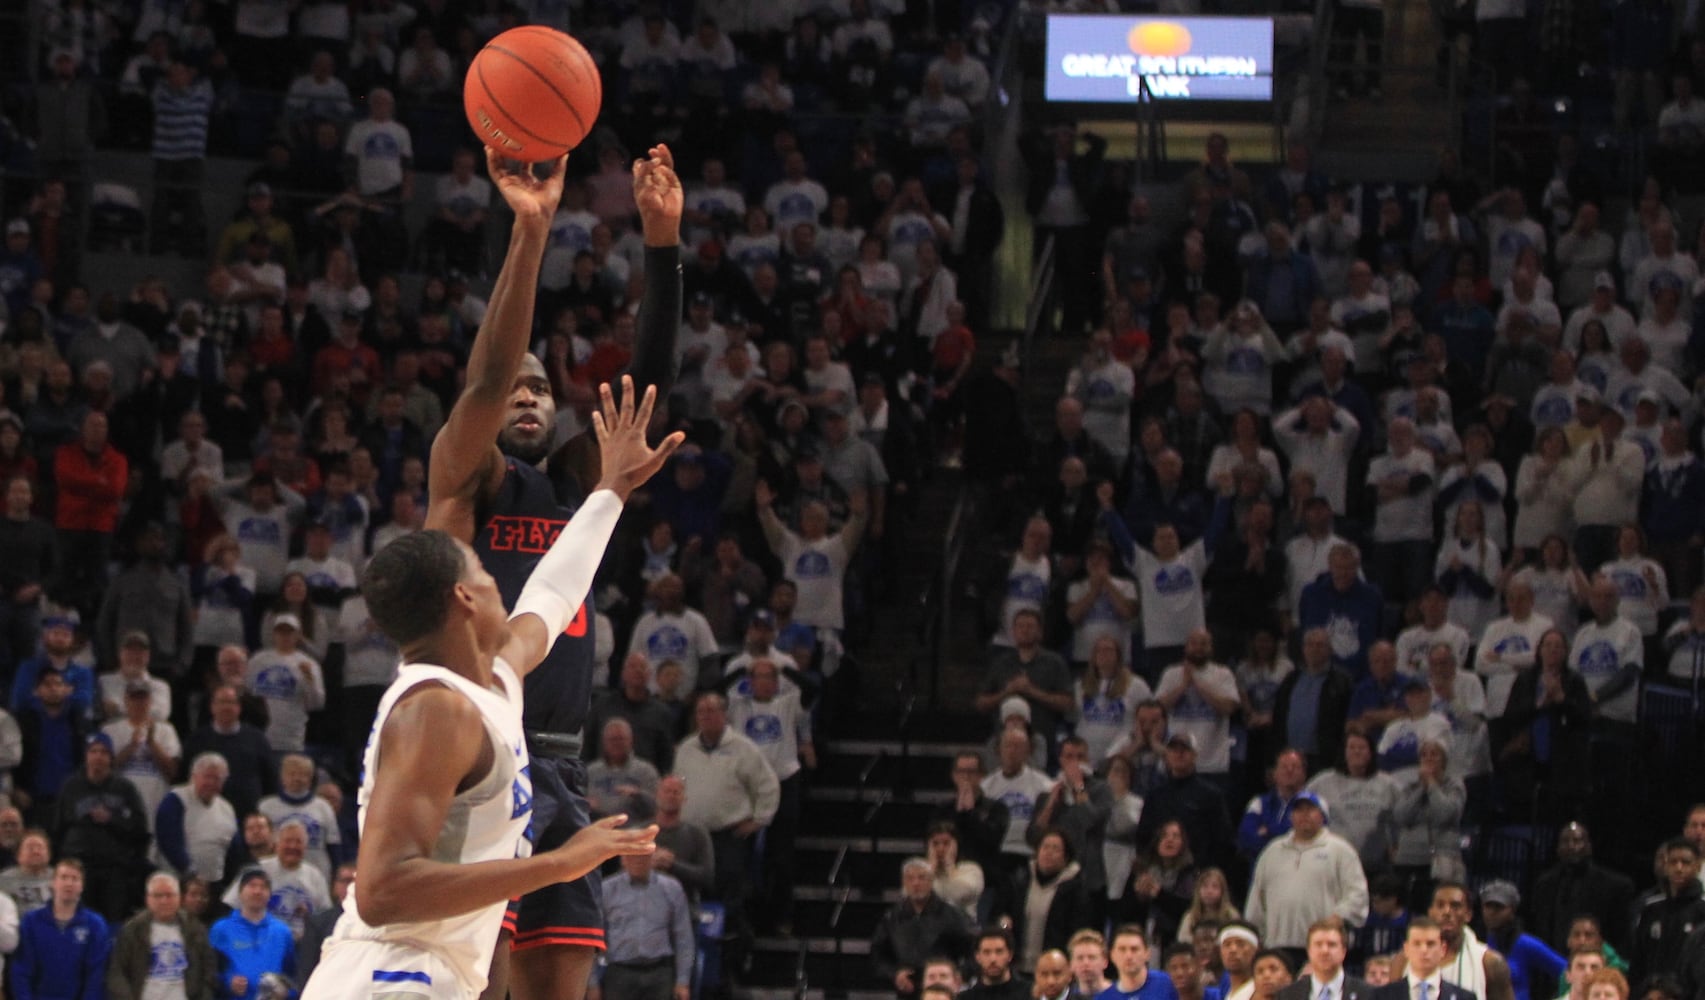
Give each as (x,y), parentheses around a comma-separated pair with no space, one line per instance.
(380,152)
(813,559)
(673,631)
(1609,654)
(1200,697)
(1403,480)
(1100,606)
(1435,628)
(1618,322)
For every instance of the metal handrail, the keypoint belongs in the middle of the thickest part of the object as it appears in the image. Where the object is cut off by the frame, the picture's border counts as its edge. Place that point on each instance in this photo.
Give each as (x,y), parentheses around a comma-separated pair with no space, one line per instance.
(1041,284)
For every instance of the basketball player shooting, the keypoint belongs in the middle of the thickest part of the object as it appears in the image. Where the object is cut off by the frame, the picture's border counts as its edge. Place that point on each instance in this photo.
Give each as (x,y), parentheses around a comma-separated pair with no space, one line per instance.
(501,482)
(446,797)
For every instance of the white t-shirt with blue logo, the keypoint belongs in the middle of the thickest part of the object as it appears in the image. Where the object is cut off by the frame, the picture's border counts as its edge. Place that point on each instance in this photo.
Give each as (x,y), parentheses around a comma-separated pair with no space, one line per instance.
(293,686)
(1599,653)
(1172,595)
(1640,599)
(791,202)
(683,636)
(1027,584)
(1104,717)
(1102,619)
(817,570)
(316,817)
(1019,794)
(297,893)
(168,963)
(151,782)
(1194,714)
(1515,643)
(1106,392)
(777,727)
(379,148)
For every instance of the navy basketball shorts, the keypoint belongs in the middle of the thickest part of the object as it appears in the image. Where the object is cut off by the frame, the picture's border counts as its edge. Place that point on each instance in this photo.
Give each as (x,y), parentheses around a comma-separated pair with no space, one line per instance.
(568,913)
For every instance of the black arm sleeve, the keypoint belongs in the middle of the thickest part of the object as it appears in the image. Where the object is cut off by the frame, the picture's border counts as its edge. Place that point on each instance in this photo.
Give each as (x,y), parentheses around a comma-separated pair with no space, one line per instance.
(659,322)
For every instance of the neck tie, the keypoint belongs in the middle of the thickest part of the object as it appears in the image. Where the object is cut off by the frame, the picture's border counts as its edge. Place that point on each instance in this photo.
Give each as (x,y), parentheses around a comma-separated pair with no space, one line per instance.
(1424,989)
(1326,993)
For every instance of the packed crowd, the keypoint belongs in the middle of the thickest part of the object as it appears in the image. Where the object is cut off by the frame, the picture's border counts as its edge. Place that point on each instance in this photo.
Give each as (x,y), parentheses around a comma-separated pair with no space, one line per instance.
(1359,536)
(196,476)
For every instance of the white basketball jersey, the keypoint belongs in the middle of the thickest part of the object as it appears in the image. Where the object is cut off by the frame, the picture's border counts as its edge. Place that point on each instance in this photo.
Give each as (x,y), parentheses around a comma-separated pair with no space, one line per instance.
(486,823)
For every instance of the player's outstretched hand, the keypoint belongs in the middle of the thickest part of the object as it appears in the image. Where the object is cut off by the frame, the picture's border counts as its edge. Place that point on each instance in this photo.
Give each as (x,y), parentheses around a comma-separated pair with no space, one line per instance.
(603,840)
(628,461)
(657,194)
(529,196)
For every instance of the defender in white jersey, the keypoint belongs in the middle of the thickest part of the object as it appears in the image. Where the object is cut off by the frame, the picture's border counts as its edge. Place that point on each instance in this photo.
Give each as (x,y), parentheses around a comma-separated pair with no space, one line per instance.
(444,814)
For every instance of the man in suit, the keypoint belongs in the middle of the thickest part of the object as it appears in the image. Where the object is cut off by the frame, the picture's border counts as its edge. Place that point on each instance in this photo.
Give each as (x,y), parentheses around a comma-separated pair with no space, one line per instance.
(1467,963)
(1060,195)
(978,223)
(1326,978)
(1423,953)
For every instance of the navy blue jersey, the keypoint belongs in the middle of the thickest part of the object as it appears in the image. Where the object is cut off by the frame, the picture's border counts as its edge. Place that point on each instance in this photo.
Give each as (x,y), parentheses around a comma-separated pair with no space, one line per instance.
(519,524)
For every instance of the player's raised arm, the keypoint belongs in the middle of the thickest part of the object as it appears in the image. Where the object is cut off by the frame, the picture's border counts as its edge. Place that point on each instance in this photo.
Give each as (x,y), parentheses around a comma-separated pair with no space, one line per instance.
(400,881)
(564,574)
(464,454)
(657,193)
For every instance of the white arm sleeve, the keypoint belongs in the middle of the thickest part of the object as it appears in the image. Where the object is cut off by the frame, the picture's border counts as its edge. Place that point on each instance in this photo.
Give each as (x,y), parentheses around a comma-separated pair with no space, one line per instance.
(564,574)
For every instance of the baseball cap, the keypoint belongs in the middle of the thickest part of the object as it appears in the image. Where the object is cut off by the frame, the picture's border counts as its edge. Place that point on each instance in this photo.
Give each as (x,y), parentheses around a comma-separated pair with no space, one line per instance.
(1587,393)
(136,638)
(260,189)
(1015,706)
(1411,682)
(18,227)
(701,299)
(352,313)
(1308,798)
(101,739)
(250,874)
(1500,893)
(690,453)
(287,620)
(67,620)
(1180,737)
(763,617)
(1648,396)
(1605,280)
(807,453)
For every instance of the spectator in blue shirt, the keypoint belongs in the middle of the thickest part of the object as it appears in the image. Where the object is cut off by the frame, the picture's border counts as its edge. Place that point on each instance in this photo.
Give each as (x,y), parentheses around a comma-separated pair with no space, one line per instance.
(1534,968)
(1347,607)
(1136,980)
(62,947)
(1378,698)
(251,942)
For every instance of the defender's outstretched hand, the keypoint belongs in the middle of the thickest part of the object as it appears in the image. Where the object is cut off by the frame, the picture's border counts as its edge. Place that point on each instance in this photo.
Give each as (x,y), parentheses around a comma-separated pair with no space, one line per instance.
(628,461)
(657,193)
(529,196)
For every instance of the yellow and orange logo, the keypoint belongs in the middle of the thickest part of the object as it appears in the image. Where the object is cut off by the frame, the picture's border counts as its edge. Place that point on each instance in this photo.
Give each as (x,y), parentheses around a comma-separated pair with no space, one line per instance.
(1160,39)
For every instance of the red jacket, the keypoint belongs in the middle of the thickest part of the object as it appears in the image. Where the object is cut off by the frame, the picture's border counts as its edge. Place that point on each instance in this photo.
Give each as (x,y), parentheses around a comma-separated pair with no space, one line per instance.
(90,488)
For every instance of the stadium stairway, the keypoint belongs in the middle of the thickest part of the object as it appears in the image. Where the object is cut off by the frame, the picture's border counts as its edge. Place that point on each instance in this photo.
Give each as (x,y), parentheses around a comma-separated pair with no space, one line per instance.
(865,811)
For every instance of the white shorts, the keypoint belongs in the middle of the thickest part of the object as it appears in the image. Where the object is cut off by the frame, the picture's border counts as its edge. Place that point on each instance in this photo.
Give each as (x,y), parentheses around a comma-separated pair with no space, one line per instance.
(382,970)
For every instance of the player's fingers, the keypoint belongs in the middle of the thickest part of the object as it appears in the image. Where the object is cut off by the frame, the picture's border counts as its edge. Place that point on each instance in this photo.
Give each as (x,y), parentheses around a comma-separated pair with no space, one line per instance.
(663,156)
(627,401)
(598,427)
(559,168)
(612,822)
(607,400)
(649,400)
(494,163)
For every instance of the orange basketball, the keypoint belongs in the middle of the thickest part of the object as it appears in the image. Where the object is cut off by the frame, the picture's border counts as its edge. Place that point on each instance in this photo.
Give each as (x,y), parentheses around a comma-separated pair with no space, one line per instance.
(532,93)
